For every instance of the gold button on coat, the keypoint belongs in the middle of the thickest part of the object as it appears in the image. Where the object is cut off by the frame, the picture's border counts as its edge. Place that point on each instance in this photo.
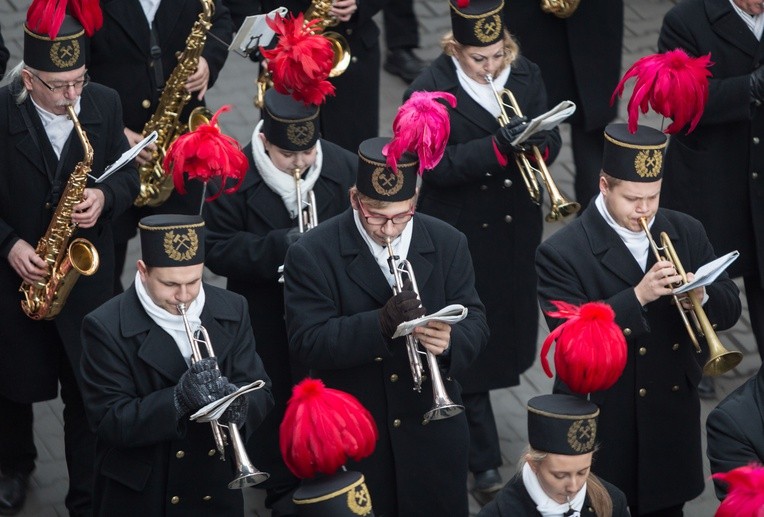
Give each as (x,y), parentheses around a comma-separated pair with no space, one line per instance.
(146,104)
(507,183)
(642,392)
(397,422)
(507,219)
(675,346)
(175,499)
(180,454)
(642,350)
(212,452)
(756,140)
(394,377)
(207,498)
(627,331)
(674,388)
(378,359)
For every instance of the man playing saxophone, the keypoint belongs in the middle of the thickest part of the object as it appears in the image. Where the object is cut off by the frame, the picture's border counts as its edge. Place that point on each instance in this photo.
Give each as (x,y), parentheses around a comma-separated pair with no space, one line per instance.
(39,154)
(142,381)
(341,313)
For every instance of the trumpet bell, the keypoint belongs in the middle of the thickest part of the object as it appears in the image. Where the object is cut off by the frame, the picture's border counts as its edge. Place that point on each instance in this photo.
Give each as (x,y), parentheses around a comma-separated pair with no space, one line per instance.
(248,476)
(443,409)
(722,362)
(341,50)
(562,210)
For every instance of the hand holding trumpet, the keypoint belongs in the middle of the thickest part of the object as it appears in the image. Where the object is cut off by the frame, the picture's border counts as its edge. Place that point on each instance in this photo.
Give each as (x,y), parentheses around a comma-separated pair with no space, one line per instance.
(435,337)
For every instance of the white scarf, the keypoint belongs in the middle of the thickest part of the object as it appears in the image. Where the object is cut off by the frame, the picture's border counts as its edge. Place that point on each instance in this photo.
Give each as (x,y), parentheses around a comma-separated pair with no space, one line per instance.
(482,93)
(171,323)
(57,127)
(636,242)
(755,23)
(400,245)
(547,506)
(281,183)
(150,8)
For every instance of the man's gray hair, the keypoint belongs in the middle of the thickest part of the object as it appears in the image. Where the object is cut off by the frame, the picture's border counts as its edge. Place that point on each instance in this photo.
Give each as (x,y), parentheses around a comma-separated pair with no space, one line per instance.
(14,79)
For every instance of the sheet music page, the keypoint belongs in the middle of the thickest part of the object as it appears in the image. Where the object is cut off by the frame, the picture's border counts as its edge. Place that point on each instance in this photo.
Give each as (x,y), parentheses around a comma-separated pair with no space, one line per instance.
(707,273)
(450,314)
(127,157)
(549,120)
(254,32)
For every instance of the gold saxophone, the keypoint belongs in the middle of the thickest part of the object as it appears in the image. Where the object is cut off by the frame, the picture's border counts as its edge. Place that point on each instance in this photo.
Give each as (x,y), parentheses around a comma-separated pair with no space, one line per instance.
(156,186)
(560,8)
(66,261)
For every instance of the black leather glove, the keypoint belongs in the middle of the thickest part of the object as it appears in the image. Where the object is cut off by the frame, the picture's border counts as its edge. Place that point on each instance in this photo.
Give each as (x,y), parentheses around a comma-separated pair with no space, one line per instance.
(198,386)
(292,236)
(404,306)
(506,134)
(757,84)
(237,410)
(537,139)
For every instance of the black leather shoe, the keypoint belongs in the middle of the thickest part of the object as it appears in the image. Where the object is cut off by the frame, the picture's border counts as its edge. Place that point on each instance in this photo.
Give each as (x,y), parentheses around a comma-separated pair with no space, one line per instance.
(487,485)
(13,493)
(404,63)
(707,388)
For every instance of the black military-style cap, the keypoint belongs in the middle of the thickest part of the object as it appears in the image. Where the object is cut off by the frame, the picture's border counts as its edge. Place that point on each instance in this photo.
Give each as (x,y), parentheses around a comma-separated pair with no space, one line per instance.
(339,495)
(377,180)
(67,51)
(479,24)
(172,240)
(634,156)
(562,424)
(289,123)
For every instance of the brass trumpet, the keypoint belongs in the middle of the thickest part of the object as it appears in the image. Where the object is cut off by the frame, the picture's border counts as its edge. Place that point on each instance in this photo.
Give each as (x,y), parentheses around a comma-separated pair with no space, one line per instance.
(559,206)
(720,359)
(442,407)
(246,473)
(307,218)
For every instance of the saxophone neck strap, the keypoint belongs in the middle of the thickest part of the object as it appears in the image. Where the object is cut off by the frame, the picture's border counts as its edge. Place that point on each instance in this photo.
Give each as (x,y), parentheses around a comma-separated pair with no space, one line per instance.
(156,59)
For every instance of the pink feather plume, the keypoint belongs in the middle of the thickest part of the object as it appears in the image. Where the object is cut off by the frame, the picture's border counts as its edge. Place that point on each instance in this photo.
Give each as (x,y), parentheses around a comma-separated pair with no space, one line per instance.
(301,61)
(421,126)
(206,153)
(591,351)
(323,428)
(46,16)
(672,84)
(745,492)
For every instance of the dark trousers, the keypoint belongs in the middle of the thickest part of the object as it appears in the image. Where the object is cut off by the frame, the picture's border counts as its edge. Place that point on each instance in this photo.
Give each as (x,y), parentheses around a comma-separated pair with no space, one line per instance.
(754,293)
(484,438)
(587,147)
(401,29)
(18,452)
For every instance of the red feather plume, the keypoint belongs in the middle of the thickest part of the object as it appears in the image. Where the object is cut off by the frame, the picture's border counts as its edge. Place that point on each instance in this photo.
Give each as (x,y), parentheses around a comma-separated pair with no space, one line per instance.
(46,16)
(745,492)
(206,153)
(300,62)
(461,4)
(591,351)
(672,84)
(421,126)
(322,428)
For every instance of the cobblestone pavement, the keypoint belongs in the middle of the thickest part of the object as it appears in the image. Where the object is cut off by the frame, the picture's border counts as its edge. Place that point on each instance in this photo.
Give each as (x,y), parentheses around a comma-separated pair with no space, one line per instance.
(642,21)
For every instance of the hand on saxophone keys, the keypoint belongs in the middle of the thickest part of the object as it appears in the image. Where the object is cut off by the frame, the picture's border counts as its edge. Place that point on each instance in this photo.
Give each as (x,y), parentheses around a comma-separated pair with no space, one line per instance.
(86,213)
(435,337)
(343,10)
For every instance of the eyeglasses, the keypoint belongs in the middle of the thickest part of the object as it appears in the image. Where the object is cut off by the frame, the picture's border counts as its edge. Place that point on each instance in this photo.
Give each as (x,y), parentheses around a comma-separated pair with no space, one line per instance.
(381,220)
(56,87)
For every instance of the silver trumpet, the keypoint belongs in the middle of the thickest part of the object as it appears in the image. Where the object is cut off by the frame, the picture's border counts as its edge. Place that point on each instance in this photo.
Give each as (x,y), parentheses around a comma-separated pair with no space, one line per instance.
(246,473)
(443,406)
(307,219)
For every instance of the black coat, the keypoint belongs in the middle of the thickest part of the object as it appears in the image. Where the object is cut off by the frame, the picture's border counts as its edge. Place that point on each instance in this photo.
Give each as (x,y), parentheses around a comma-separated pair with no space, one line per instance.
(352,114)
(514,501)
(648,427)
(735,429)
(246,243)
(579,56)
(491,206)
(144,455)
(28,196)
(333,292)
(717,163)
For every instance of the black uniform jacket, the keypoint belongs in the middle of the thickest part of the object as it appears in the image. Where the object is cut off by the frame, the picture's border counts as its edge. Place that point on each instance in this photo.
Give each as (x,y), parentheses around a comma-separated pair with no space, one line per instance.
(514,501)
(120,53)
(31,182)
(735,429)
(148,463)
(579,56)
(246,243)
(648,427)
(720,162)
(333,292)
(491,206)
(351,115)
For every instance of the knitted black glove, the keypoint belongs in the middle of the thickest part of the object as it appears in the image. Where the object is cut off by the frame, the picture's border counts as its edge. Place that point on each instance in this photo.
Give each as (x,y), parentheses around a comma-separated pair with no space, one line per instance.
(506,134)
(237,411)
(292,235)
(757,84)
(404,306)
(198,386)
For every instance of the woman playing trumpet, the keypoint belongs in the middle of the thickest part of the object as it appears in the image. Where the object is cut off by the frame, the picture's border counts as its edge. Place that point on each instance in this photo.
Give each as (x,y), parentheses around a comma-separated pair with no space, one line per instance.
(478,189)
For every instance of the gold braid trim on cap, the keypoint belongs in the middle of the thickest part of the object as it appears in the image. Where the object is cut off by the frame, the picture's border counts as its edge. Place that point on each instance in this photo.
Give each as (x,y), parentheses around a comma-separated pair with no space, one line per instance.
(563,417)
(330,495)
(292,120)
(635,146)
(48,38)
(173,227)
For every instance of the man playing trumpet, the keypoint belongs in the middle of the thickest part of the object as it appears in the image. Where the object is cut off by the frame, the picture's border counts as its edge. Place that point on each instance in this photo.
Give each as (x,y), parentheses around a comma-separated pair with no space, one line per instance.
(141,384)
(649,429)
(341,315)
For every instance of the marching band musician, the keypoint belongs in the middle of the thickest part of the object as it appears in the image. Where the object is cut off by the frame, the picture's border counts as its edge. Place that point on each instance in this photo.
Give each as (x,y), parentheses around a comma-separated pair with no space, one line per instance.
(248,236)
(39,153)
(477,189)
(136,53)
(140,384)
(649,427)
(341,315)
